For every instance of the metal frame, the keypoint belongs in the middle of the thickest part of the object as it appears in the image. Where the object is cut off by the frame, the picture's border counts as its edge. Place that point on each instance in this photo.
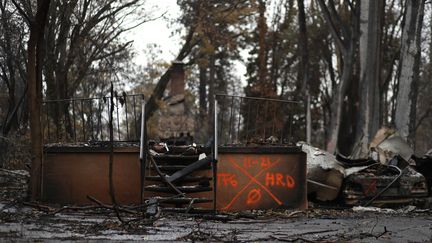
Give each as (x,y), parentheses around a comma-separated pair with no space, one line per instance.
(108,103)
(215,154)
(90,113)
(269,106)
(217,129)
(143,149)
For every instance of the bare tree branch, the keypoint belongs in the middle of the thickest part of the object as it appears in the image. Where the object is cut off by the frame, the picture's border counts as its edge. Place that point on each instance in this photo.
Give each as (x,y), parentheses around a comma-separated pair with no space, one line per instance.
(22,12)
(333,30)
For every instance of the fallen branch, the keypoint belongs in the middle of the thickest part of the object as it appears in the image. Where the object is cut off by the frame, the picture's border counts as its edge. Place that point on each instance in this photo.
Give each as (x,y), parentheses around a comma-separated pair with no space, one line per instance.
(190,205)
(299,237)
(111,207)
(14,173)
(111,157)
(383,233)
(118,208)
(53,211)
(38,206)
(292,240)
(73,208)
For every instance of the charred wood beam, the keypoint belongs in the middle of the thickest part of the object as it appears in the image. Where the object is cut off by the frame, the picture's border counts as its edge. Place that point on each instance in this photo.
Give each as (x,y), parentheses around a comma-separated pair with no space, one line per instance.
(163,177)
(189,169)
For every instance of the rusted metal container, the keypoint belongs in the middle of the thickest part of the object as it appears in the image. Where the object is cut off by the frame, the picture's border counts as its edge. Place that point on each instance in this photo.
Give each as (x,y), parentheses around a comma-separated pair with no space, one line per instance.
(70,174)
(261,178)
(247,178)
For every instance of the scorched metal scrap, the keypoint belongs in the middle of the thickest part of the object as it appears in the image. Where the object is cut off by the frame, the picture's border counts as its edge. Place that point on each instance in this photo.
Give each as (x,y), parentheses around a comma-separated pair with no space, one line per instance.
(360,187)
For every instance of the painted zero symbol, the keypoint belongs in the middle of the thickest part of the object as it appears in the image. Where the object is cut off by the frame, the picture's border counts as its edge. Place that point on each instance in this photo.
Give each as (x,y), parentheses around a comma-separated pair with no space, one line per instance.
(254,196)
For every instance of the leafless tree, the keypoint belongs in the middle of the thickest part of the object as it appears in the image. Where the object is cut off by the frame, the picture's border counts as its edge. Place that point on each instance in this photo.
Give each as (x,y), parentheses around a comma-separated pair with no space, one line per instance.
(345,36)
(369,54)
(409,68)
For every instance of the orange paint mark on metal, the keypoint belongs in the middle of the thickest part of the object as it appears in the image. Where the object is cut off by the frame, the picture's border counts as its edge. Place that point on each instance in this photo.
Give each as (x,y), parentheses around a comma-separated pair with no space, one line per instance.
(241,191)
(265,162)
(290,182)
(254,196)
(279,179)
(259,183)
(253,179)
(371,189)
(270,179)
(227,179)
(232,162)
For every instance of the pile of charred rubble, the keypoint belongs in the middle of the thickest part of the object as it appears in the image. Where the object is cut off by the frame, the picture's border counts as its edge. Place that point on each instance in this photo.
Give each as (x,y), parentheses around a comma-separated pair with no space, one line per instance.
(391,176)
(13,184)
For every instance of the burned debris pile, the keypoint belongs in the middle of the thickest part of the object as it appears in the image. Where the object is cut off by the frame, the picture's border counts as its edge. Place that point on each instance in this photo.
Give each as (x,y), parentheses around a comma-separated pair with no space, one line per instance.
(182,178)
(390,176)
(249,172)
(258,185)
(179,178)
(382,185)
(13,184)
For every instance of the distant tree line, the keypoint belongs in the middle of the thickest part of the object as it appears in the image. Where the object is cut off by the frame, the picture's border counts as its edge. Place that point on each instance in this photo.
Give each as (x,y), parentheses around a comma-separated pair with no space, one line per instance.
(356,65)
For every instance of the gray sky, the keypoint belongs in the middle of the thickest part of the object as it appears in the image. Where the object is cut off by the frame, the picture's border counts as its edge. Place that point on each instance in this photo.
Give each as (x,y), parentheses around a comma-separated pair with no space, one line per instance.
(157,31)
(160,32)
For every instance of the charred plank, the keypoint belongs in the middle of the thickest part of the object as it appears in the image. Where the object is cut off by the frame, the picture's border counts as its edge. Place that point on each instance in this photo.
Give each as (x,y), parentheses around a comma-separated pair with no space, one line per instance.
(184,189)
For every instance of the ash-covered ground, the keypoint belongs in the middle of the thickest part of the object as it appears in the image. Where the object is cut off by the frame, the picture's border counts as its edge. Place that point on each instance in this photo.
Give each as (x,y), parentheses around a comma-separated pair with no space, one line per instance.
(409,224)
(29,222)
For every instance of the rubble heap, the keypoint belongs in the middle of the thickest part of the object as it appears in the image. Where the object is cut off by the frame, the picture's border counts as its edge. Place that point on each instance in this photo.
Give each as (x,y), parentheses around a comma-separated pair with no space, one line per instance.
(13,184)
(391,175)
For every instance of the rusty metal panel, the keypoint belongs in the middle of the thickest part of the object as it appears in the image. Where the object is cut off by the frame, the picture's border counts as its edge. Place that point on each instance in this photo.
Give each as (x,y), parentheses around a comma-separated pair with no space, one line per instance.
(261,178)
(72,174)
(251,178)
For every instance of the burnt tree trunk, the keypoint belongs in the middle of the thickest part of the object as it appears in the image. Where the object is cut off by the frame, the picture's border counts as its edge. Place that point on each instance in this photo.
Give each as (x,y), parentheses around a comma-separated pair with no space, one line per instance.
(304,66)
(9,72)
(34,72)
(369,52)
(202,92)
(262,52)
(338,100)
(345,37)
(409,69)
